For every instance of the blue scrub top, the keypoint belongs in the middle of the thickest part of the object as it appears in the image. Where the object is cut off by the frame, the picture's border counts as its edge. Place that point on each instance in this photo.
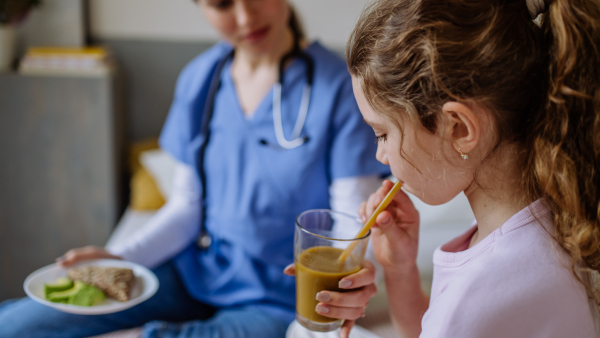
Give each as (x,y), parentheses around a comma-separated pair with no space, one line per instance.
(254,191)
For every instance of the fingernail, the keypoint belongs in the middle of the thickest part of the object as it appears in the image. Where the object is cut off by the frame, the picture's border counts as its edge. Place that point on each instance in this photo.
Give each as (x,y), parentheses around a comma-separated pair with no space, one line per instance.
(344,284)
(323,297)
(363,218)
(288,267)
(322,308)
(386,218)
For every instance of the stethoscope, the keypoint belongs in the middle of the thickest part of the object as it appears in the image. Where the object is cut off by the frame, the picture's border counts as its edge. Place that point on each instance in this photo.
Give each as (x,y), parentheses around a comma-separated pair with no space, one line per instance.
(204,239)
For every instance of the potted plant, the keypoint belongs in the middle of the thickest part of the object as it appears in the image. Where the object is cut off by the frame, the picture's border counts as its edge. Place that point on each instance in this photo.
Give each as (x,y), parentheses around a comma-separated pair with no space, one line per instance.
(12,12)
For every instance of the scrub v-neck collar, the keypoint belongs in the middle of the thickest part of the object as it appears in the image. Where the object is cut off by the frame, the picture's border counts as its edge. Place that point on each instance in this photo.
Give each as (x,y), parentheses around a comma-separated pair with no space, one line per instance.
(291,74)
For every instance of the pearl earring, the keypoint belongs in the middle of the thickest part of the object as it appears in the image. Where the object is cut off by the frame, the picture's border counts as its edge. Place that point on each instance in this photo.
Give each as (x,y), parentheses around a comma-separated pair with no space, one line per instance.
(463,155)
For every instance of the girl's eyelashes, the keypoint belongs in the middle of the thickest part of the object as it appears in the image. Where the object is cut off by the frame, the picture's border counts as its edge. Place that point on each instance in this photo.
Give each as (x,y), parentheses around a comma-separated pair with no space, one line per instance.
(382,138)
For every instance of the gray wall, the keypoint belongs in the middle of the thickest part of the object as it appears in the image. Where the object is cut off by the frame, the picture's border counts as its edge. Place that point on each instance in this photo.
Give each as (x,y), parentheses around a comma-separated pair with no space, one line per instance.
(60,177)
(150,69)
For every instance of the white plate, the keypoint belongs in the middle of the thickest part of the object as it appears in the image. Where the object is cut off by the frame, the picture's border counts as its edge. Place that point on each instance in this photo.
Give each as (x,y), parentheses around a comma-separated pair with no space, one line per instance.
(145,287)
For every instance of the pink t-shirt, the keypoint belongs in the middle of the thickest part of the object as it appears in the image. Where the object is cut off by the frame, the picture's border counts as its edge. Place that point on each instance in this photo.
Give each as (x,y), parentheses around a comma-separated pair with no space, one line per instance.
(515,283)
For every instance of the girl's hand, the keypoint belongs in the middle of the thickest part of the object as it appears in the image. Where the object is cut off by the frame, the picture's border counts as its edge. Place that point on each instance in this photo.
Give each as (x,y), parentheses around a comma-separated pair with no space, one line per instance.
(87,252)
(348,305)
(395,234)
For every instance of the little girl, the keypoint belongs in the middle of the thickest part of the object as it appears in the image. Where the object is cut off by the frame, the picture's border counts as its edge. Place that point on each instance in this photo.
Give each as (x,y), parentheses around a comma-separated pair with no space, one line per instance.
(475,96)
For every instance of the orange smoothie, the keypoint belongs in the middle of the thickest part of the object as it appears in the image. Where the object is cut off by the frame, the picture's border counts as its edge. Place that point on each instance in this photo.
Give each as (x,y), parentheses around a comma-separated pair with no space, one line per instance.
(318,269)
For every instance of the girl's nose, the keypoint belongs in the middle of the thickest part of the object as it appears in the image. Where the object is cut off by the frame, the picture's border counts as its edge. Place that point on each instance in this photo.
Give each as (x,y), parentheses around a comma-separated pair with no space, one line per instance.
(382,155)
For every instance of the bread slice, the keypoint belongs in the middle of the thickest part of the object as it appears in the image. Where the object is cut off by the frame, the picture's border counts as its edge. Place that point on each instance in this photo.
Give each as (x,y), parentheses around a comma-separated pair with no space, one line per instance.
(115,282)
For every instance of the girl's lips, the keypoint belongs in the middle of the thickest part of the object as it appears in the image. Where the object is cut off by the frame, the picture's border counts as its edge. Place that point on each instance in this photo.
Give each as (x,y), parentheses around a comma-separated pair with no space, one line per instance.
(257,34)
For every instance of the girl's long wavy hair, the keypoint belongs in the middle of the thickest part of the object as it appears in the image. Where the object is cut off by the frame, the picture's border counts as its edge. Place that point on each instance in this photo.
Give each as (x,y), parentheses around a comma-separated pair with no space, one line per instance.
(540,81)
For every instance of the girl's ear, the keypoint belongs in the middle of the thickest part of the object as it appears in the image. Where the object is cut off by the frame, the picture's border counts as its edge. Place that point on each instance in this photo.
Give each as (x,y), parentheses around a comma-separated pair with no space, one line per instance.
(461,126)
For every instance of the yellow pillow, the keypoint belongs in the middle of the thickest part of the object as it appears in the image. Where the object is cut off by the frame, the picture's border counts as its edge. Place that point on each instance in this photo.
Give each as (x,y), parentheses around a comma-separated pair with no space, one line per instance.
(144,193)
(136,149)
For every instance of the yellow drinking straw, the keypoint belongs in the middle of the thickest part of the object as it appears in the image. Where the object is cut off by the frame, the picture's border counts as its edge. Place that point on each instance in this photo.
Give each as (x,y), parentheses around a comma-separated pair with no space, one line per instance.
(367,226)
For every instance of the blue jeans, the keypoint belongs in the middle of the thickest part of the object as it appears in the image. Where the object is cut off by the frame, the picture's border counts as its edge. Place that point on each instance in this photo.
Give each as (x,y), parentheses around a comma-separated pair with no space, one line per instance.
(171,313)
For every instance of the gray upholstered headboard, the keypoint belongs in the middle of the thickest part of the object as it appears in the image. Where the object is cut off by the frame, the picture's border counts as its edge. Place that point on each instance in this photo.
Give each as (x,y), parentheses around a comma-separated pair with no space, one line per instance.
(150,69)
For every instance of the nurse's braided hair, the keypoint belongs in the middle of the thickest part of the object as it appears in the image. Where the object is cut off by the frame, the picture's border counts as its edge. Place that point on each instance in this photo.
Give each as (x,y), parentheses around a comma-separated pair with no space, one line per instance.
(540,83)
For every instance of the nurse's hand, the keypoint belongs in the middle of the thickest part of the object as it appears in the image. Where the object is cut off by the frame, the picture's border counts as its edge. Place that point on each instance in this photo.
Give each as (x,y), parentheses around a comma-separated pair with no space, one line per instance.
(349,305)
(80,254)
(395,234)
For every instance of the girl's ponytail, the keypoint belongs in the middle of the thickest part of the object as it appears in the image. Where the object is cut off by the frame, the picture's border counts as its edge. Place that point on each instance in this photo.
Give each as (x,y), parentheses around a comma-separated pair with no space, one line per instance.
(564,145)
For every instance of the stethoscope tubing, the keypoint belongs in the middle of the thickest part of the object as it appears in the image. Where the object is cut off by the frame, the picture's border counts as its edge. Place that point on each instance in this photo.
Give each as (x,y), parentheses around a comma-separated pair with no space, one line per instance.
(204,240)
(296,140)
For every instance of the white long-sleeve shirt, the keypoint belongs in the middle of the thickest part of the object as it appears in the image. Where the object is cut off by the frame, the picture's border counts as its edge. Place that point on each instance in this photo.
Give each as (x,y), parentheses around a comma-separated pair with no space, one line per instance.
(176,224)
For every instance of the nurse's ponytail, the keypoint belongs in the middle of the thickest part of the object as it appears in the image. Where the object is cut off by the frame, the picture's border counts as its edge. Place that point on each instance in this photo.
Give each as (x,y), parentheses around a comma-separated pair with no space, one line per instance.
(541,84)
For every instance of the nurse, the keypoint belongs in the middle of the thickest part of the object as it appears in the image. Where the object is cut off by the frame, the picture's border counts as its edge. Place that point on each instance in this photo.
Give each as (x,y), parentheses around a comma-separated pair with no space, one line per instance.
(263,126)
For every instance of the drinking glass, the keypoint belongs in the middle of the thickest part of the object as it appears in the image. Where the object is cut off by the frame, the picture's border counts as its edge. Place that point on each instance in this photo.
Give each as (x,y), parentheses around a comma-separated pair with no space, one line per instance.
(319,240)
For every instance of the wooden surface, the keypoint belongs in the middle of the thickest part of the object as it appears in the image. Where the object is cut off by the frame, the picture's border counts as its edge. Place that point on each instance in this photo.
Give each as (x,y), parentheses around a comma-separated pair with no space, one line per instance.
(61,152)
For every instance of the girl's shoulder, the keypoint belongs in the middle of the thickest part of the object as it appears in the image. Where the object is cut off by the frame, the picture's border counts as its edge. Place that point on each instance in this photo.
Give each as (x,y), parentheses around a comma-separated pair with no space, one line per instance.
(524,258)
(519,284)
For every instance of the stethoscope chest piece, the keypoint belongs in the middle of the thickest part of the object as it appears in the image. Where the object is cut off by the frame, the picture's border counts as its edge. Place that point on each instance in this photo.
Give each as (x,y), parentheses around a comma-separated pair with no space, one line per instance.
(204,241)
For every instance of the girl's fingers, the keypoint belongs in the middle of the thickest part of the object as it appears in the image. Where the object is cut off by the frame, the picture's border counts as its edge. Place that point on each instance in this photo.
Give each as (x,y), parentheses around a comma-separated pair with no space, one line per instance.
(376,198)
(331,311)
(362,211)
(357,298)
(363,277)
(387,185)
(404,203)
(290,270)
(384,220)
(374,201)
(346,327)
(370,205)
(367,208)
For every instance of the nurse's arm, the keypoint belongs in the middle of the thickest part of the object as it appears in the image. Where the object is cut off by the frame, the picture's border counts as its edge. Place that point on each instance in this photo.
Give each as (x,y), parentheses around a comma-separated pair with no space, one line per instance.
(172,228)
